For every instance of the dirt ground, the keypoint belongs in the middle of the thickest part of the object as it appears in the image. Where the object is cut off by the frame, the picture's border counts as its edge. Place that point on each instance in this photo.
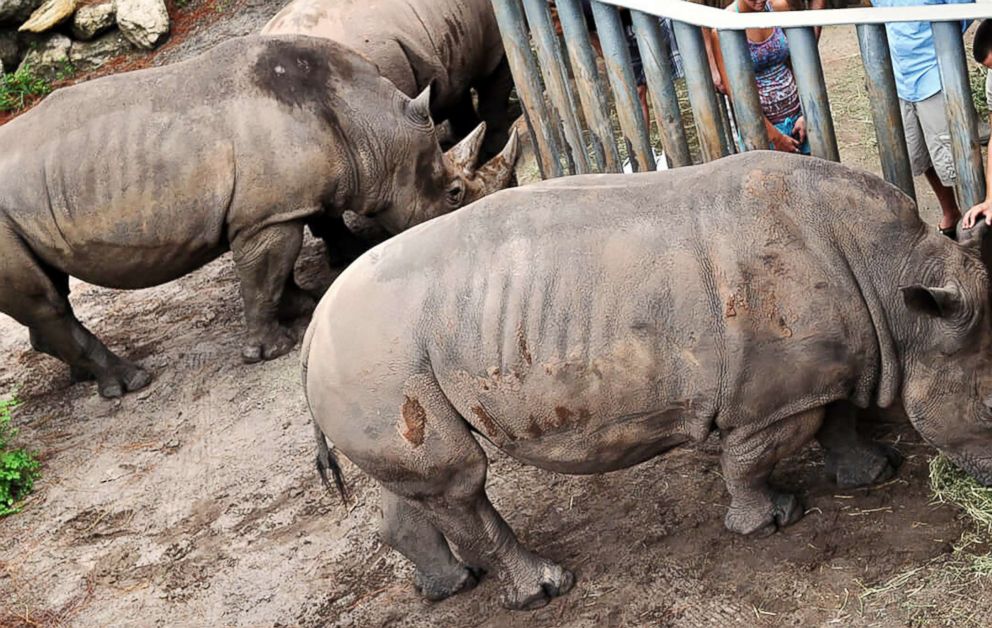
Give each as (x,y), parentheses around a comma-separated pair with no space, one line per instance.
(195,503)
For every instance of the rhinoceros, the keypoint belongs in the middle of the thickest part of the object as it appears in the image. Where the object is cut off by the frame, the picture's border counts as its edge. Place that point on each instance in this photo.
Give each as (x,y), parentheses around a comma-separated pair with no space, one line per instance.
(590,323)
(134,180)
(452,45)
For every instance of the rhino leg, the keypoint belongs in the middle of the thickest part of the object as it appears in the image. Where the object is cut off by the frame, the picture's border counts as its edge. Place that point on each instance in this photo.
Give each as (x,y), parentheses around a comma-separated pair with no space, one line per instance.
(462,118)
(748,459)
(852,459)
(406,529)
(494,109)
(264,261)
(440,467)
(37,298)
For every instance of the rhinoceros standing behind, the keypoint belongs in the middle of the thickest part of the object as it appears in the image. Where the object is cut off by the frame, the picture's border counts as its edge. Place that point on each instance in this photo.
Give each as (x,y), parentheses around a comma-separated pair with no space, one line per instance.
(452,46)
(589,323)
(134,180)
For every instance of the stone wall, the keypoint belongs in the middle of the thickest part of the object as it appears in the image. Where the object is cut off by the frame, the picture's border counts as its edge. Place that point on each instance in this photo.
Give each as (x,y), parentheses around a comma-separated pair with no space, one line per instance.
(55,37)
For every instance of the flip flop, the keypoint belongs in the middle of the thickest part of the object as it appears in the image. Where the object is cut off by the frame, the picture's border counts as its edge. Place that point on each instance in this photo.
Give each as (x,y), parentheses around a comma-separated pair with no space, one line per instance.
(950,232)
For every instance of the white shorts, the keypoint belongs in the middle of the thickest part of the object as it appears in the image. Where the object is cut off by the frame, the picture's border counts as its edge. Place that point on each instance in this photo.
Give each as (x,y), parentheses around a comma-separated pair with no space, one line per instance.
(925,123)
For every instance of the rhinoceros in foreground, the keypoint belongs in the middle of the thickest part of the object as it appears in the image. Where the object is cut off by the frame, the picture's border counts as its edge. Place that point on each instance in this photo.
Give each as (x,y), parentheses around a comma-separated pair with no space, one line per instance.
(453,46)
(590,323)
(134,180)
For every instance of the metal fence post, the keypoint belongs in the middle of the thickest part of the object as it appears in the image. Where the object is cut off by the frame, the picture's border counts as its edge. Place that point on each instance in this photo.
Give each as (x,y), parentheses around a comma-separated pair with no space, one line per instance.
(589,84)
(512,28)
(743,89)
(885,107)
(961,116)
(553,69)
(621,74)
(702,96)
(660,78)
(813,92)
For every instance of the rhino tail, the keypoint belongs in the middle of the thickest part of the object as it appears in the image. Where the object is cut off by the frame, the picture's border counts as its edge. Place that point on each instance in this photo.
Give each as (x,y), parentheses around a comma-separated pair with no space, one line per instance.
(326,460)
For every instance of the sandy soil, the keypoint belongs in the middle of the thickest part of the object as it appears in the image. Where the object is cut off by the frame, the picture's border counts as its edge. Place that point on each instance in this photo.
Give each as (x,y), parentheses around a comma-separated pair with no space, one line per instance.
(195,503)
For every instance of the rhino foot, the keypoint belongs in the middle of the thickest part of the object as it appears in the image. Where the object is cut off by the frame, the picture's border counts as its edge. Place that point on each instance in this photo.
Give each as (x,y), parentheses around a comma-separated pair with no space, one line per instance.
(864,466)
(436,588)
(537,588)
(277,342)
(125,378)
(761,520)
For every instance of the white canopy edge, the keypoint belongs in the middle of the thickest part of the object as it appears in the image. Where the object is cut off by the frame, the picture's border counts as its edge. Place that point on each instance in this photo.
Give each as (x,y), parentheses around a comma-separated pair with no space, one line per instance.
(710,17)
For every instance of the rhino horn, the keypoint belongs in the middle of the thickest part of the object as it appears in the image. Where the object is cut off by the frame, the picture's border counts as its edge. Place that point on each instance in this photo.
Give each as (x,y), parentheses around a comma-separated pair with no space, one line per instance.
(498,171)
(465,153)
(419,108)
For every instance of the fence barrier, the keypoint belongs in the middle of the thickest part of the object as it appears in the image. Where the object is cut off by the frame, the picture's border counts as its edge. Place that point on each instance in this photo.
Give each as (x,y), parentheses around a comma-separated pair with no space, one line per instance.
(579,126)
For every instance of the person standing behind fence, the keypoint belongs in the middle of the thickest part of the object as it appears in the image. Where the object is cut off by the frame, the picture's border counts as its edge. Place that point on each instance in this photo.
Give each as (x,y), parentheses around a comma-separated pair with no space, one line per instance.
(921,99)
(982,51)
(784,121)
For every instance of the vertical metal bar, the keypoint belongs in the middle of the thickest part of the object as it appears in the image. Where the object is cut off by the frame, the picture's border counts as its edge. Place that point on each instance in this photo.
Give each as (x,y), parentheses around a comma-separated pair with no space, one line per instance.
(961,117)
(659,74)
(621,74)
(512,28)
(553,69)
(885,109)
(589,84)
(702,96)
(743,90)
(813,92)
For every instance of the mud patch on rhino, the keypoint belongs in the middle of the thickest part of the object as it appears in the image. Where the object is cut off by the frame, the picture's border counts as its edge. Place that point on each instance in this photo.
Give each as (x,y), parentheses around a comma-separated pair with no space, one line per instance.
(414,418)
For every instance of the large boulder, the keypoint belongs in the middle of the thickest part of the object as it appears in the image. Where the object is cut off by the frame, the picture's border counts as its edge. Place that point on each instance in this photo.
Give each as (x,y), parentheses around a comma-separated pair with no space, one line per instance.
(16,11)
(49,57)
(49,15)
(89,55)
(93,19)
(144,22)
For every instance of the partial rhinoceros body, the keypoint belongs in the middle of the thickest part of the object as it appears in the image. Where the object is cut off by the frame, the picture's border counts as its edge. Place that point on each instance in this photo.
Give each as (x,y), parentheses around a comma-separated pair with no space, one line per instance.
(589,323)
(136,179)
(450,45)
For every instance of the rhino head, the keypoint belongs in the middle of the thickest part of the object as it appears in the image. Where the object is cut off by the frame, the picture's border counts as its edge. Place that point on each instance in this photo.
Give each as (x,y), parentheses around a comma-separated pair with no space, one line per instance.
(426,182)
(947,361)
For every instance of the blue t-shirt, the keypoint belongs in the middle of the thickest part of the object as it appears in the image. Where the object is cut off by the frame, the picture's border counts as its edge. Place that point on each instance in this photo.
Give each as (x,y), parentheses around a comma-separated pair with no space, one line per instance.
(914,58)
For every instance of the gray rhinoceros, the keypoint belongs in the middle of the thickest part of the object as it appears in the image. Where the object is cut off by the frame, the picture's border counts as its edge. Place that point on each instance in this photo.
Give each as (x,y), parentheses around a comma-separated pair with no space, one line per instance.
(134,180)
(590,323)
(451,45)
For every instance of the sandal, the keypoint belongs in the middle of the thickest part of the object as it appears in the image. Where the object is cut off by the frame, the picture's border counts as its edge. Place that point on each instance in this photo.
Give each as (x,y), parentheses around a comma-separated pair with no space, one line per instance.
(950,232)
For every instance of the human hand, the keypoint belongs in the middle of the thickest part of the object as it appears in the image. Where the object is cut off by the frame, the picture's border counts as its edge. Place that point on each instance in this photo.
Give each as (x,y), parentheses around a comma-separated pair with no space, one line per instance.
(973,214)
(799,130)
(784,143)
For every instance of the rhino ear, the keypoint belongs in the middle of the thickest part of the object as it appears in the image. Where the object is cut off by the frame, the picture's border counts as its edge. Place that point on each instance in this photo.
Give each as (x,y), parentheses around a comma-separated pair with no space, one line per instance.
(937,302)
(978,239)
(419,109)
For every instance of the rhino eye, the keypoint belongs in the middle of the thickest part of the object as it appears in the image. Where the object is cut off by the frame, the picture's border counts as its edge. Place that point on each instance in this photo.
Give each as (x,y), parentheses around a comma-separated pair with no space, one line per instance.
(455,193)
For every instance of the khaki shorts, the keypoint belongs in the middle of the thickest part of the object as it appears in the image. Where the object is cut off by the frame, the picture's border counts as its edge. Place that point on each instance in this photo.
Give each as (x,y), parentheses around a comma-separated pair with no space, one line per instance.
(925,123)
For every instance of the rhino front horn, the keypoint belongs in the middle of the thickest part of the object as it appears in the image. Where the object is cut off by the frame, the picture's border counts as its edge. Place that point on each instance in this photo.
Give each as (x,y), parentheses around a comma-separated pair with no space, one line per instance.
(419,109)
(465,153)
(498,171)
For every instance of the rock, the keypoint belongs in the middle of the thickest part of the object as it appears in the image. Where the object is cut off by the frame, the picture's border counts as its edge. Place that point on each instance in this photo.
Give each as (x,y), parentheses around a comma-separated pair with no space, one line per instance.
(48,58)
(10,49)
(89,55)
(50,14)
(17,10)
(144,22)
(93,19)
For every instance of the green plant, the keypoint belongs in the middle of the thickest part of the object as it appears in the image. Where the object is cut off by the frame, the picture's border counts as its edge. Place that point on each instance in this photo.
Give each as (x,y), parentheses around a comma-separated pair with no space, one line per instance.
(977,78)
(17,89)
(18,468)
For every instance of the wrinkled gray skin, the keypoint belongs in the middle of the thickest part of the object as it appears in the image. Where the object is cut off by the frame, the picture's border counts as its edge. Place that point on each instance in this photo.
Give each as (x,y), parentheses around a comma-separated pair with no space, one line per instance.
(589,323)
(450,45)
(134,180)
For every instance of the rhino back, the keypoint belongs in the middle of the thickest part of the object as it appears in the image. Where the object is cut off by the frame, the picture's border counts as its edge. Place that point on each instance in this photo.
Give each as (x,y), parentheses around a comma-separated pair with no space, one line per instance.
(447,44)
(558,312)
(165,162)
